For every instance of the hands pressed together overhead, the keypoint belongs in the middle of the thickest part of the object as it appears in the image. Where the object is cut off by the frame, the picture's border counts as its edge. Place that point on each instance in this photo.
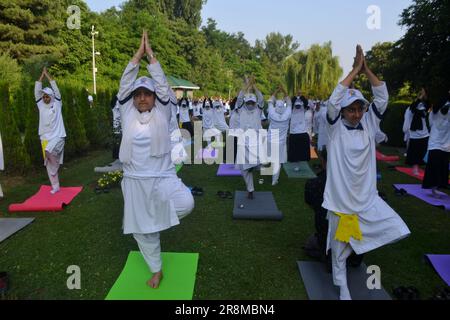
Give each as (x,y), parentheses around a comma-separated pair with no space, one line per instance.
(144,49)
(45,74)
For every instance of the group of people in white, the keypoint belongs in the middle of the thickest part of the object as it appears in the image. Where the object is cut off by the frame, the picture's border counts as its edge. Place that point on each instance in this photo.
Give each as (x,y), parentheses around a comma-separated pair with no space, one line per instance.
(155,199)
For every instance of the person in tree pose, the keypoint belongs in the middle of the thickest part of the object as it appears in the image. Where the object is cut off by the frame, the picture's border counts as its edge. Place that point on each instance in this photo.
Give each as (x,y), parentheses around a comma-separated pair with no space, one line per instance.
(51,127)
(359,220)
(155,199)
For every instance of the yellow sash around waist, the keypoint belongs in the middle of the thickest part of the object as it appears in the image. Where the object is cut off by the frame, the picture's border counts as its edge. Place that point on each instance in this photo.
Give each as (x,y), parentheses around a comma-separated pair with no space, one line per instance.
(44,144)
(348,228)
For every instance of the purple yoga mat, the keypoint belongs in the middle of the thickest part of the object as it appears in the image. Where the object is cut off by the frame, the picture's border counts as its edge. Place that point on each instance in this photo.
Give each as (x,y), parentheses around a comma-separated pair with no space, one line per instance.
(425,195)
(441,264)
(207,154)
(228,170)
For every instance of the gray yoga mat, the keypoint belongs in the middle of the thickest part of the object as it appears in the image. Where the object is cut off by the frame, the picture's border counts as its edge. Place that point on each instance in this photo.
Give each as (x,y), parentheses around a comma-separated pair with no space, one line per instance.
(9,226)
(319,284)
(299,170)
(262,207)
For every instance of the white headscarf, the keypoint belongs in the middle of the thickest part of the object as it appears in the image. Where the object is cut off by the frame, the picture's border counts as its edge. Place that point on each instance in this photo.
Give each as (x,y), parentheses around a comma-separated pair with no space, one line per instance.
(159,132)
(280,106)
(48,91)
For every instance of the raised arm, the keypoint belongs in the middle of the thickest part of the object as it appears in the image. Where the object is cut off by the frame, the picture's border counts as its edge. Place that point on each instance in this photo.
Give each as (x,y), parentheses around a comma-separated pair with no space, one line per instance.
(379,90)
(38,86)
(53,85)
(38,90)
(131,72)
(334,104)
(162,87)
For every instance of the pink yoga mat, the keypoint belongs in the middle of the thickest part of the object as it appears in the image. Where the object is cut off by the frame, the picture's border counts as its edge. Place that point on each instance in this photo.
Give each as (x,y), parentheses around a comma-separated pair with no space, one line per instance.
(425,195)
(409,172)
(45,201)
(228,170)
(441,264)
(382,157)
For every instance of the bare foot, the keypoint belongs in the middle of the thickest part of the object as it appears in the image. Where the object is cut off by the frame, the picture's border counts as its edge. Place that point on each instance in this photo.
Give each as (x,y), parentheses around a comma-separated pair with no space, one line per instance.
(155,280)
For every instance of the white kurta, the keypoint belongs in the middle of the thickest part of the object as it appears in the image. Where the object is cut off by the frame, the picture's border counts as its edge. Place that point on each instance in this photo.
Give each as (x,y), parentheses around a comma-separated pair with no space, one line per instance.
(320,128)
(197,110)
(219,119)
(184,115)
(279,122)
(440,131)
(51,124)
(252,146)
(208,118)
(148,181)
(419,134)
(298,121)
(351,175)
(309,121)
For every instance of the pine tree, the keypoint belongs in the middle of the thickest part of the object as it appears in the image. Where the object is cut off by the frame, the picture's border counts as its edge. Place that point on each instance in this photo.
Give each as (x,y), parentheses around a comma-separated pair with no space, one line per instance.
(16,158)
(30,27)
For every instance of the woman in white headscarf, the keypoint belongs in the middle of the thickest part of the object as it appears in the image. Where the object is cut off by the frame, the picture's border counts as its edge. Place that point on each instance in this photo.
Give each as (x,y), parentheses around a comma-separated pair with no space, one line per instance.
(155,199)
(299,141)
(415,127)
(219,116)
(249,153)
(359,220)
(280,112)
(51,127)
(207,114)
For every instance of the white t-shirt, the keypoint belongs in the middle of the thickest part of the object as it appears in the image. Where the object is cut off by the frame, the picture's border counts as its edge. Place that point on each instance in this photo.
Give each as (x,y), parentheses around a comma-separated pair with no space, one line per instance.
(51,124)
(298,121)
(418,134)
(440,131)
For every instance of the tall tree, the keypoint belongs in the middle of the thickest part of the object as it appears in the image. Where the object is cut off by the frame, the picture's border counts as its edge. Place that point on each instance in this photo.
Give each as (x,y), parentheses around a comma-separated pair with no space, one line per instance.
(424,50)
(29,27)
(315,71)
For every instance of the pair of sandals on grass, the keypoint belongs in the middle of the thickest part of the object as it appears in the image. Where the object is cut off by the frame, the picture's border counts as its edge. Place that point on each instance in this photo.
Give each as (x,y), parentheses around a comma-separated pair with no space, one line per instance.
(197,191)
(225,194)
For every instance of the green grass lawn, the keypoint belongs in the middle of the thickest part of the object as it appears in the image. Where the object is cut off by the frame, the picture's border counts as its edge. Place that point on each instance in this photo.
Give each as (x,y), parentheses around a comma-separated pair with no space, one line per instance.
(238,259)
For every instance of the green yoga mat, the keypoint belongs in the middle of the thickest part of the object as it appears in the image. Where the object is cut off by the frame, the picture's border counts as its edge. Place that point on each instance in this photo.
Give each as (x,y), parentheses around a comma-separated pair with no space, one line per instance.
(304,172)
(178,167)
(179,270)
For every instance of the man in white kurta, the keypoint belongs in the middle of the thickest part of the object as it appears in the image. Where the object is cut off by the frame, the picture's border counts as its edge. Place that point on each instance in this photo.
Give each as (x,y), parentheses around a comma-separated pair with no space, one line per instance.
(280,112)
(351,195)
(51,128)
(155,199)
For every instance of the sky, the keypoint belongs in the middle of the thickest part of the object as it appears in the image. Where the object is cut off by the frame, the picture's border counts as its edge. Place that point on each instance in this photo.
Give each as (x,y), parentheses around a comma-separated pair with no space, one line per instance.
(344,22)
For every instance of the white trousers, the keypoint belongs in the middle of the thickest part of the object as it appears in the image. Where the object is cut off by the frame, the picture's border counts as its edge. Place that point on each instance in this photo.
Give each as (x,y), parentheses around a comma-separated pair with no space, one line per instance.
(277,171)
(52,164)
(340,251)
(248,178)
(150,245)
(54,154)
